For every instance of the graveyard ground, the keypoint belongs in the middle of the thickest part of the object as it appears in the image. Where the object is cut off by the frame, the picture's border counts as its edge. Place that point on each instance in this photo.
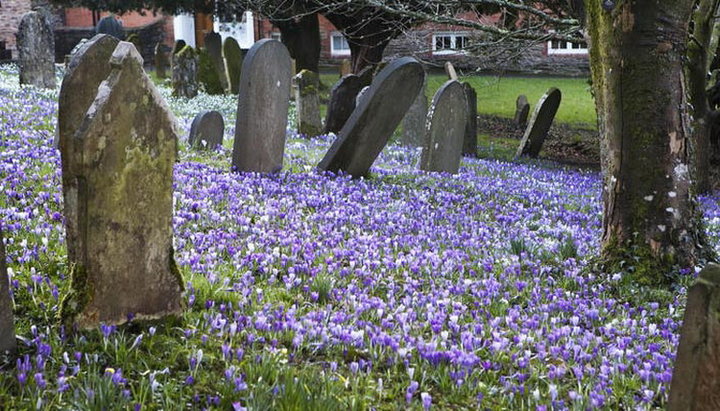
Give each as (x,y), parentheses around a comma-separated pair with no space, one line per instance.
(312,291)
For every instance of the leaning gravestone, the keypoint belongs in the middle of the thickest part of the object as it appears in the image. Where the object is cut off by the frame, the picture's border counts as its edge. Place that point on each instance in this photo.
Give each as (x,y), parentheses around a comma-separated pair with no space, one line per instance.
(445,130)
(342,102)
(263,104)
(206,131)
(213,45)
(121,159)
(307,103)
(539,125)
(370,126)
(185,73)
(162,61)
(470,141)
(522,110)
(695,384)
(233,56)
(36,51)
(7,324)
(450,71)
(414,121)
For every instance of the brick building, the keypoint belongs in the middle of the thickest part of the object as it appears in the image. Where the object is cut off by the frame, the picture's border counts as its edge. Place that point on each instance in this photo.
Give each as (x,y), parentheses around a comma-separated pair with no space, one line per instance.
(11,11)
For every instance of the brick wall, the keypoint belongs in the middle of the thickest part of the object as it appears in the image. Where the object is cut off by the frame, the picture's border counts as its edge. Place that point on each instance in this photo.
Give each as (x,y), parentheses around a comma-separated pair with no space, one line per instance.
(77,17)
(11,11)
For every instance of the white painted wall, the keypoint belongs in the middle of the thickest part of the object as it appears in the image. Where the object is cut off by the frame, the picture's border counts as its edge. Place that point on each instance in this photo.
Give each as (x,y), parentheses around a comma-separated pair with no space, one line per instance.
(243,32)
(184,28)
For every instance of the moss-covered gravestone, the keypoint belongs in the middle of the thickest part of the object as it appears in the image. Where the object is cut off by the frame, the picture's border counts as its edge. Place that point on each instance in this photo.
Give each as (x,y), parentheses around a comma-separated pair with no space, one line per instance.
(307,103)
(233,56)
(696,378)
(445,130)
(539,125)
(7,324)
(207,74)
(263,104)
(378,113)
(185,73)
(213,46)
(121,161)
(36,50)
(414,122)
(470,140)
(206,131)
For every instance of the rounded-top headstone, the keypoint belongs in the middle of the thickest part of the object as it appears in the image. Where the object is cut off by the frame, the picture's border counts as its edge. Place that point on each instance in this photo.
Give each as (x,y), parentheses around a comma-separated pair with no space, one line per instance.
(263,103)
(539,125)
(206,131)
(445,129)
(233,56)
(342,102)
(375,118)
(185,73)
(414,122)
(522,110)
(36,50)
(213,45)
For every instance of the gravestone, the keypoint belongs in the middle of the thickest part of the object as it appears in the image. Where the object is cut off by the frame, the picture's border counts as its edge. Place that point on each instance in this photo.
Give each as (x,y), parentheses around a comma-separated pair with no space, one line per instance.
(213,45)
(36,50)
(110,25)
(414,122)
(185,73)
(695,384)
(361,95)
(450,71)
(177,47)
(539,125)
(366,75)
(263,104)
(233,56)
(7,324)
(121,160)
(345,68)
(445,129)
(307,103)
(470,140)
(206,131)
(522,110)
(342,102)
(162,60)
(207,76)
(371,125)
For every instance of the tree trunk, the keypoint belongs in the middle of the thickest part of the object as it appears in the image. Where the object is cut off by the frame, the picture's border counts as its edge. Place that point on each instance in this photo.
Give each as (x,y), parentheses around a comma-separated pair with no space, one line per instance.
(698,57)
(301,36)
(650,219)
(364,55)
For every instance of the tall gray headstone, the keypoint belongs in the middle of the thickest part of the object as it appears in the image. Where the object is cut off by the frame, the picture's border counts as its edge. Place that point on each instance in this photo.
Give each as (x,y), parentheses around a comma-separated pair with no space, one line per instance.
(36,50)
(206,131)
(539,125)
(7,323)
(414,121)
(122,160)
(307,103)
(263,103)
(213,45)
(233,55)
(342,102)
(371,125)
(445,130)
(185,73)
(695,382)
(470,140)
(162,60)
(522,110)
(88,68)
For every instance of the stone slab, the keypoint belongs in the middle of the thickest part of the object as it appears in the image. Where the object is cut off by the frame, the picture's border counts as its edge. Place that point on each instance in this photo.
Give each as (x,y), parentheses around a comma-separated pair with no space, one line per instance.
(539,125)
(36,50)
(206,131)
(445,130)
(8,343)
(471,128)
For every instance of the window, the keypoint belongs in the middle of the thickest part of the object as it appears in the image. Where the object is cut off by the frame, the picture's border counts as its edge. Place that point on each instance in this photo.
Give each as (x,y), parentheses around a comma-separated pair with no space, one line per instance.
(275,35)
(450,43)
(339,45)
(559,47)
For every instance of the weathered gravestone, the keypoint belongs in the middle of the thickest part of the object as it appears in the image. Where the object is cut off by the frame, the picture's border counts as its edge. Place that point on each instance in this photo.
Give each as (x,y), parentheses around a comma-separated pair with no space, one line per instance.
(450,71)
(233,56)
(307,103)
(361,95)
(414,121)
(88,67)
(162,60)
(445,129)
(263,104)
(345,67)
(36,50)
(207,74)
(7,324)
(342,102)
(185,73)
(213,45)
(206,131)
(522,110)
(696,377)
(539,125)
(470,140)
(120,165)
(378,114)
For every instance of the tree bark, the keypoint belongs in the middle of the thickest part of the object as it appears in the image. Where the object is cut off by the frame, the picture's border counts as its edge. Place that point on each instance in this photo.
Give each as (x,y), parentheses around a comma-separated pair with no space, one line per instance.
(364,55)
(636,56)
(301,36)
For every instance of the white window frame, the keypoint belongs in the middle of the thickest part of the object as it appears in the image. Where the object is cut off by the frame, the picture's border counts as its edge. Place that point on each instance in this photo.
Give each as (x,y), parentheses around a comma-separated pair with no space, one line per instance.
(567,50)
(276,35)
(454,35)
(338,52)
